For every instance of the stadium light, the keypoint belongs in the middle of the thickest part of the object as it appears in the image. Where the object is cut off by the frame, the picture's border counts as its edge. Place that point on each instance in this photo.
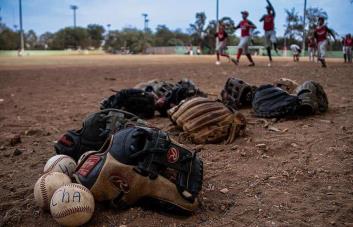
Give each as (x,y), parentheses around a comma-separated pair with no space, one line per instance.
(217,18)
(21,28)
(145,21)
(74,8)
(304,21)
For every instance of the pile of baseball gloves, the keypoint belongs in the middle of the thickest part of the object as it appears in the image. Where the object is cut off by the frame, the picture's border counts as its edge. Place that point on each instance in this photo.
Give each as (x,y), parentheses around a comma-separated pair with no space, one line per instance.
(122,159)
(283,98)
(146,98)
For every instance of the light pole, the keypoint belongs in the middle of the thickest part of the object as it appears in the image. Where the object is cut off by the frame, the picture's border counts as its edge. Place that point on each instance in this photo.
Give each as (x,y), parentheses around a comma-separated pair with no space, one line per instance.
(285,42)
(217,18)
(145,21)
(74,8)
(21,28)
(108,32)
(304,23)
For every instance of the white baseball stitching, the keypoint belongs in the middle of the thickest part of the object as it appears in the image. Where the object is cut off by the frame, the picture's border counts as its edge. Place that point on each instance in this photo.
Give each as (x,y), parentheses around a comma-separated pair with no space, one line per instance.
(51,167)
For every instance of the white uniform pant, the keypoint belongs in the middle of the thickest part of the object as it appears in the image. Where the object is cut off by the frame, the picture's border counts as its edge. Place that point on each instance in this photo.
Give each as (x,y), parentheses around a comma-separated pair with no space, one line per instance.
(312,53)
(244,44)
(221,47)
(322,48)
(270,38)
(347,50)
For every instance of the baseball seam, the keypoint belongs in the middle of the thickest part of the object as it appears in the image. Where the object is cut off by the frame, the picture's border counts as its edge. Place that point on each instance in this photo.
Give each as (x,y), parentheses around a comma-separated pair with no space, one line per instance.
(81,209)
(51,167)
(79,187)
(43,190)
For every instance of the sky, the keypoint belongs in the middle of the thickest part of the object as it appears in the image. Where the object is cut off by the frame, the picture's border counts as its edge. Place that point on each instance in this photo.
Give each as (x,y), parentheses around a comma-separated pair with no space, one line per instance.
(51,15)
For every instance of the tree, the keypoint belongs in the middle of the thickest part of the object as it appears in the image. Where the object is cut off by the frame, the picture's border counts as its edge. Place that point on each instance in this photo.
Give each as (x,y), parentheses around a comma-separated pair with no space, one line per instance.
(163,36)
(46,40)
(130,39)
(197,29)
(228,24)
(95,33)
(9,40)
(31,39)
(209,39)
(294,25)
(312,15)
(182,37)
(70,37)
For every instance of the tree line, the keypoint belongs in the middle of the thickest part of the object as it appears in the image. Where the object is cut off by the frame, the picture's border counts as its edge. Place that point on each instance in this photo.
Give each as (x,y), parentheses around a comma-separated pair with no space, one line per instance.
(200,33)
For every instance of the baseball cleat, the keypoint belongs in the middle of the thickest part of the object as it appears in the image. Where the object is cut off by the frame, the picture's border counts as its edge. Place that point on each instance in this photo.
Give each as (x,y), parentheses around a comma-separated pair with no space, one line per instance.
(251,64)
(218,62)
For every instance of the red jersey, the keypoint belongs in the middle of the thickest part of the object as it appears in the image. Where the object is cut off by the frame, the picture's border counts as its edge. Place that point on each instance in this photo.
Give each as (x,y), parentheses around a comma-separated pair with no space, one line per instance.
(321,33)
(245,26)
(348,42)
(269,22)
(311,43)
(221,36)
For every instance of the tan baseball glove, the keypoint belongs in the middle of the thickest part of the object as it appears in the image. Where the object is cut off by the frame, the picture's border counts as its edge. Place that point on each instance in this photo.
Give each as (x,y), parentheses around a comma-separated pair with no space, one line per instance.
(286,84)
(207,121)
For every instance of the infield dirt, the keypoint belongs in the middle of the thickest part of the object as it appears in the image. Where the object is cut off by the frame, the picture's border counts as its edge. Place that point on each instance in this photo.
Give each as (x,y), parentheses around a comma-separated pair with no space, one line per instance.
(303,176)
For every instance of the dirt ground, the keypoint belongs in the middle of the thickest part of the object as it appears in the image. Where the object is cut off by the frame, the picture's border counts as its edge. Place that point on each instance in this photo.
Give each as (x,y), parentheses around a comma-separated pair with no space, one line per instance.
(303,178)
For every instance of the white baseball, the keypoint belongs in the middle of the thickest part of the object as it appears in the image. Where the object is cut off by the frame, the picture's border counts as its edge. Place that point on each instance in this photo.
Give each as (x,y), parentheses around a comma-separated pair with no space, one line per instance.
(45,187)
(60,163)
(72,205)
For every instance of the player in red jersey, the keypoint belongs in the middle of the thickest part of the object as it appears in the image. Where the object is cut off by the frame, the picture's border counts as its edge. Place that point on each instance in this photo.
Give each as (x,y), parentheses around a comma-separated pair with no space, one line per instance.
(246,27)
(269,27)
(312,46)
(321,34)
(222,37)
(347,48)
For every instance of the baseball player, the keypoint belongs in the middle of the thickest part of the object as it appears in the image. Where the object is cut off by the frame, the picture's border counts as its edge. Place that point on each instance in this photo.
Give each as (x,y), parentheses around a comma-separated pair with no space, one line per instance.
(246,27)
(321,33)
(296,50)
(269,27)
(347,48)
(222,37)
(312,48)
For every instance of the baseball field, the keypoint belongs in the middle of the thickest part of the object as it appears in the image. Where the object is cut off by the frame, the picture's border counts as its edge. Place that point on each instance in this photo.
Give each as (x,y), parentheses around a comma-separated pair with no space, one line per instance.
(294,172)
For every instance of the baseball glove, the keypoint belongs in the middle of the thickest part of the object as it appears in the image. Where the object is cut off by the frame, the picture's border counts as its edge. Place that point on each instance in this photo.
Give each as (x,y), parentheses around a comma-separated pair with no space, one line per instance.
(237,93)
(97,127)
(134,101)
(286,84)
(207,121)
(273,102)
(142,162)
(182,90)
(313,98)
(144,85)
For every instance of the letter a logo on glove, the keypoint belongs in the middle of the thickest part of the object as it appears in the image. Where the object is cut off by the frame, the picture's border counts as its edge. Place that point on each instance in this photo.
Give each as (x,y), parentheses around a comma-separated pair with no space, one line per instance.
(173,155)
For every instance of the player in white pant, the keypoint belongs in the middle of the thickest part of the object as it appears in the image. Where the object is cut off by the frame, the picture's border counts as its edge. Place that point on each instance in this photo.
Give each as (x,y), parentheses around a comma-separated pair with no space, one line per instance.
(246,27)
(269,28)
(296,50)
(321,35)
(312,48)
(347,48)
